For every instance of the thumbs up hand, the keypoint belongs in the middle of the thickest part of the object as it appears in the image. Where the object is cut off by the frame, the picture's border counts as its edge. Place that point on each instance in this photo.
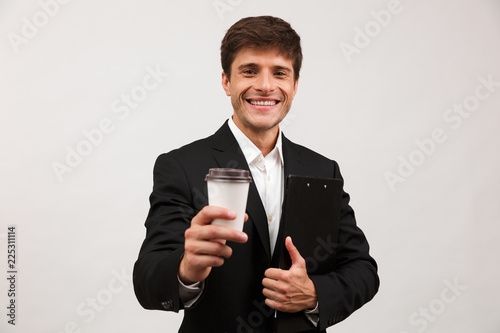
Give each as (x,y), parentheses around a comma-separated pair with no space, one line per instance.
(290,290)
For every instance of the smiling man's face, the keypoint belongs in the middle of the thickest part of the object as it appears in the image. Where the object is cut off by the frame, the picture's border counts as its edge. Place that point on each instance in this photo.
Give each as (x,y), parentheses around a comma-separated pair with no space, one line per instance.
(261,88)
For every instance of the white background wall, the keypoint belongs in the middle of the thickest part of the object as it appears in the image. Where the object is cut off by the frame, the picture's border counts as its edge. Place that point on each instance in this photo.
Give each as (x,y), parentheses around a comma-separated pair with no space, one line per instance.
(372,106)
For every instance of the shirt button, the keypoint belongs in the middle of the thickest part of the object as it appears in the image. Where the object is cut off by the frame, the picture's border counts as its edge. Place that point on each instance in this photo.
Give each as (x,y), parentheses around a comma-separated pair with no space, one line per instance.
(268,178)
(259,160)
(269,219)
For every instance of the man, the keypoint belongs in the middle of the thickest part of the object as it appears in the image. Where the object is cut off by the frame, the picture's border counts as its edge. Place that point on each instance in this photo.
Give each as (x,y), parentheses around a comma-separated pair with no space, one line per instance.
(227,280)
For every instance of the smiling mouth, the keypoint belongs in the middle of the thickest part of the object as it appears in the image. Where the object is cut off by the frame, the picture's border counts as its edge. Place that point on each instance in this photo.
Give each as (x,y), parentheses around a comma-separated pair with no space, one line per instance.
(262,103)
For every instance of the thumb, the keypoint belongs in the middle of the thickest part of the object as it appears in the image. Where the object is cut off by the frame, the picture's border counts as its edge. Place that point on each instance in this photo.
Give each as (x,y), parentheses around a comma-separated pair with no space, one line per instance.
(294,253)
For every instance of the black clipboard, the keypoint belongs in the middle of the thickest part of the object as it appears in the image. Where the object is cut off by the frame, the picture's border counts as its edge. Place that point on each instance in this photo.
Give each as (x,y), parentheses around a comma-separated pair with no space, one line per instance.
(311,216)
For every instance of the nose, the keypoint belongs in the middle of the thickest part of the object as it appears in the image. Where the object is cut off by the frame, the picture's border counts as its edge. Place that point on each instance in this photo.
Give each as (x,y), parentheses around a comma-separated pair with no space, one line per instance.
(264,83)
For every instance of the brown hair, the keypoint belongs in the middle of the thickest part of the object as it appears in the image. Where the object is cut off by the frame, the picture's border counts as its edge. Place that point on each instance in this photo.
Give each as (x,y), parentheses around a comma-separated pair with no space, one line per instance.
(261,32)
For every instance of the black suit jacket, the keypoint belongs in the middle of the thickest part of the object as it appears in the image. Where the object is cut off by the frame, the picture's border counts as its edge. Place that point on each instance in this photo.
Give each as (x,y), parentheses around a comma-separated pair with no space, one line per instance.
(232,299)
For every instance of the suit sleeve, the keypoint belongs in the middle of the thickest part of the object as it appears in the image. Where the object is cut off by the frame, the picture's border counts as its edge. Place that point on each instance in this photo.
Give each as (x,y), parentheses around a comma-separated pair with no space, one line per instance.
(171,210)
(354,280)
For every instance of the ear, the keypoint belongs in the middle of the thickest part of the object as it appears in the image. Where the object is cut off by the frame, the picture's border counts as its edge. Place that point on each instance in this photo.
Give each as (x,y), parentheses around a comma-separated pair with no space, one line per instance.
(226,84)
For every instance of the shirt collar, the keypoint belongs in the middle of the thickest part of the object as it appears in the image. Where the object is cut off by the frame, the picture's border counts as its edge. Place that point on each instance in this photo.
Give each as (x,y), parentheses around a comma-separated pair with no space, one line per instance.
(250,151)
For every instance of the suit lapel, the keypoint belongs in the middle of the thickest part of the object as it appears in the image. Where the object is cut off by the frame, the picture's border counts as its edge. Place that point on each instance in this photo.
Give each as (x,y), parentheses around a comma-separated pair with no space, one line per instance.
(292,161)
(228,154)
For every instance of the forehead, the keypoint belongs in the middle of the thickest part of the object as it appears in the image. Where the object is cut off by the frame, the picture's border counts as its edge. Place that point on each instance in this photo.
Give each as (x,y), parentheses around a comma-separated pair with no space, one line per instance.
(261,57)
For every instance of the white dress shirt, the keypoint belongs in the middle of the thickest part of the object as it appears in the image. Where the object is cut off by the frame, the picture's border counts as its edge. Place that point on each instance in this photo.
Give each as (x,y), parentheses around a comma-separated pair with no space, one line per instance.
(267,174)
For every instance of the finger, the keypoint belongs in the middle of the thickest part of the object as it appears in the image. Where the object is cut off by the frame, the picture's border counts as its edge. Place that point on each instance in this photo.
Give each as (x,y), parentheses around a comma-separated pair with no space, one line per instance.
(211,248)
(209,213)
(294,253)
(219,240)
(278,305)
(215,233)
(275,285)
(275,296)
(274,273)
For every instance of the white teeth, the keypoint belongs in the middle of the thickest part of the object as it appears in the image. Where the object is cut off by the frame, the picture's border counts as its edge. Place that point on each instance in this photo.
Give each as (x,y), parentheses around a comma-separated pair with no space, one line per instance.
(262,103)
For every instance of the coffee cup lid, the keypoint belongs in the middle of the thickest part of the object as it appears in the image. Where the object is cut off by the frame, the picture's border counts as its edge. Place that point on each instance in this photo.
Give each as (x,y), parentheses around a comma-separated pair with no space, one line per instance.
(229,175)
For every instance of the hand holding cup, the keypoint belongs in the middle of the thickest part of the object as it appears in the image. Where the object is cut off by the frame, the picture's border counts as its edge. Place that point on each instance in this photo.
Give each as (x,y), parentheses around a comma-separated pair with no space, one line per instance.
(205,240)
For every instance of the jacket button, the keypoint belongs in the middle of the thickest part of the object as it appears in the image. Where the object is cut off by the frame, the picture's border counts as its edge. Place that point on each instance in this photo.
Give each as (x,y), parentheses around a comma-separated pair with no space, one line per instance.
(168,305)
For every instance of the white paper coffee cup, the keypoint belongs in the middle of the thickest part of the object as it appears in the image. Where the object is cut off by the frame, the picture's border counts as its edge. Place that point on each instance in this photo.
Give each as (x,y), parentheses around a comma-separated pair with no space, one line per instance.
(228,188)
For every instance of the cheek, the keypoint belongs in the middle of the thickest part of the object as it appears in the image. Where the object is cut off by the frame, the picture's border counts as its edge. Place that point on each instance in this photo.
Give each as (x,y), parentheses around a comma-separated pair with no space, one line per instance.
(236,101)
(241,92)
(287,93)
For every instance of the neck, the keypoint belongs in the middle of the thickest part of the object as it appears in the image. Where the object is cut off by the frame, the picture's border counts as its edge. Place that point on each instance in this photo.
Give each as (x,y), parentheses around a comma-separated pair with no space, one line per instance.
(265,140)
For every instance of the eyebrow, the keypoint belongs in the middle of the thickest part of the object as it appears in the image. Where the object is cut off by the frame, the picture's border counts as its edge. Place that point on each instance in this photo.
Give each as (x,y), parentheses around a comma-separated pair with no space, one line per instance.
(254,65)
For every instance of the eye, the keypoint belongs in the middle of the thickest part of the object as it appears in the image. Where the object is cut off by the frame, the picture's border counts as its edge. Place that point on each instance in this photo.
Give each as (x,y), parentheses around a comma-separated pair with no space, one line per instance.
(248,72)
(280,74)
